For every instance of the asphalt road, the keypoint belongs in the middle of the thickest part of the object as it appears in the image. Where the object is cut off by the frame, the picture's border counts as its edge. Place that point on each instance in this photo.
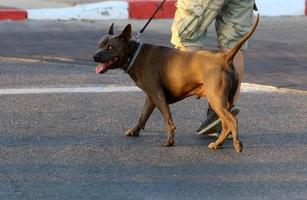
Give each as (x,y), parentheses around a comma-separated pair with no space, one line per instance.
(276,55)
(72,145)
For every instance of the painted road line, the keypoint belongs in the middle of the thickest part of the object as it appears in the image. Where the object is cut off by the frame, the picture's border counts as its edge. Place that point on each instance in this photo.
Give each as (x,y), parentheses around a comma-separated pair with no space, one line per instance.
(258,88)
(71,89)
(19,59)
(245,88)
(36,59)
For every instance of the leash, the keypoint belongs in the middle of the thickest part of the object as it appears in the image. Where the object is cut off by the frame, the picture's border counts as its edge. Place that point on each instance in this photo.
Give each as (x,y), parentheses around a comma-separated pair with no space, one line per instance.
(137,38)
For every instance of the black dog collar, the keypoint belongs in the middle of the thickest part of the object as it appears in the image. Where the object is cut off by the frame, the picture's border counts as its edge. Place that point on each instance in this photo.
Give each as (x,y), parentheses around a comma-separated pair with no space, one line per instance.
(136,47)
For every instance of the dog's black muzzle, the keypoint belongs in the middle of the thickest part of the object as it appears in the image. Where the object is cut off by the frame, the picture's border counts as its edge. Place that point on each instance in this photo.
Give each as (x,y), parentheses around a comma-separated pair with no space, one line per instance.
(102,56)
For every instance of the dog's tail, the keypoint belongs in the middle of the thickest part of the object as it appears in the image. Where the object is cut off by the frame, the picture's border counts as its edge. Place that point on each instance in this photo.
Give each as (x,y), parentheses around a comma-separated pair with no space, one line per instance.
(230,54)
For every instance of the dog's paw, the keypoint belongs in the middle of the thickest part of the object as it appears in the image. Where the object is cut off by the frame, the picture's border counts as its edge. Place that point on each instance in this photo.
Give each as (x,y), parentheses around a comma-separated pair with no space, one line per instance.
(238,146)
(130,133)
(168,143)
(212,145)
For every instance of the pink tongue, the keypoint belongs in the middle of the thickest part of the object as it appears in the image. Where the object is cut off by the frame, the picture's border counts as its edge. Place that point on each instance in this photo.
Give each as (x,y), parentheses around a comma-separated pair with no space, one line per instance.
(100,68)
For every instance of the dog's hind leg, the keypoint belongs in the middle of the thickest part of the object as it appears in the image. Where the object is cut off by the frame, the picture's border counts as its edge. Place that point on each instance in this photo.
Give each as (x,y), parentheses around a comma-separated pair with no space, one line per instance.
(229,124)
(222,137)
(234,131)
(148,108)
(232,122)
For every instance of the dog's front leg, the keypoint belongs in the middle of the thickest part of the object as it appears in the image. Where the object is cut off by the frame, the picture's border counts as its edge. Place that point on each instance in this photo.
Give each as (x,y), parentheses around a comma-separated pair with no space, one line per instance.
(161,103)
(148,108)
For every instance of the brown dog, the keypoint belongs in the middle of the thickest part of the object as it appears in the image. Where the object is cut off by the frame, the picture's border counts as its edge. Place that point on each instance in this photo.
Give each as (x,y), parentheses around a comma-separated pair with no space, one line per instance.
(169,75)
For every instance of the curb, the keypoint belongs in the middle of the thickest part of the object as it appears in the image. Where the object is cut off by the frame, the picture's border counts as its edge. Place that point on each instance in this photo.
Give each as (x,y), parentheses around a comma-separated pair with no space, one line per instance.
(12,14)
(137,9)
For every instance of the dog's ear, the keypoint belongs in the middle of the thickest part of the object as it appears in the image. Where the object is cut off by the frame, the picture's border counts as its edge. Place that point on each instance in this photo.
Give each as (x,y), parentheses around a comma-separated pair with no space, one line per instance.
(126,34)
(111,29)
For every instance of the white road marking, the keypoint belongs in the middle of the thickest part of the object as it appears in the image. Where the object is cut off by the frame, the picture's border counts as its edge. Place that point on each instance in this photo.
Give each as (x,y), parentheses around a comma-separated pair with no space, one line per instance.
(245,88)
(258,88)
(71,89)
(35,59)
(16,59)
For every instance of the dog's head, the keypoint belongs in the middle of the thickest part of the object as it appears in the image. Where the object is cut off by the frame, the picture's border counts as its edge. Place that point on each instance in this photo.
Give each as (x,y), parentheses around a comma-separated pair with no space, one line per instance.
(113,50)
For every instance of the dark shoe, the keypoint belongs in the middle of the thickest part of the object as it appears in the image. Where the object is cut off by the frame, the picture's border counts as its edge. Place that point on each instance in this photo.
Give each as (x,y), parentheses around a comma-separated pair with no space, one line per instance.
(209,123)
(213,123)
(217,131)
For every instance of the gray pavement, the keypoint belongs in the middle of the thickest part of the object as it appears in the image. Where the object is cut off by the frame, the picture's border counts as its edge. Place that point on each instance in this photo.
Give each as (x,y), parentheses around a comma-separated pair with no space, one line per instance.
(276,55)
(72,146)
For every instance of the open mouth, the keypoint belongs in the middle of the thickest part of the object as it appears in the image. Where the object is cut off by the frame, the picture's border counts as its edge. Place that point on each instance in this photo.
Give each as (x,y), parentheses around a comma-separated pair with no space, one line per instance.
(103,67)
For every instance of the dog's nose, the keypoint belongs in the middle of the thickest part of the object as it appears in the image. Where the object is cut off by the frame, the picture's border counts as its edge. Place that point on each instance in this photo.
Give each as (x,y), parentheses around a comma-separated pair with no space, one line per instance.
(95,57)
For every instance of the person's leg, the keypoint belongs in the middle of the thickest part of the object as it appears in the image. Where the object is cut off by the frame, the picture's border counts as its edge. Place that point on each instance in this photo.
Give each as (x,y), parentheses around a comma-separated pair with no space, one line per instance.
(232,23)
(239,66)
(192,18)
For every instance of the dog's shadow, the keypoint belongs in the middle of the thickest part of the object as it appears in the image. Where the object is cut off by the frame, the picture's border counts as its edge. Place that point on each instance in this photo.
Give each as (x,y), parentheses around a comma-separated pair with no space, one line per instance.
(263,140)
(251,141)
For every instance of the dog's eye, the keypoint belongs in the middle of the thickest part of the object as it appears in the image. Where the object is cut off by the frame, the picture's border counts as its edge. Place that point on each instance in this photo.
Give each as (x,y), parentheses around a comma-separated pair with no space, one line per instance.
(110,47)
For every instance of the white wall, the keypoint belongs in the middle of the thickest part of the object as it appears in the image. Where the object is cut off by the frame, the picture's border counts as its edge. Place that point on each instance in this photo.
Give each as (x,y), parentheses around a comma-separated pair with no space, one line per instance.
(281,7)
(94,11)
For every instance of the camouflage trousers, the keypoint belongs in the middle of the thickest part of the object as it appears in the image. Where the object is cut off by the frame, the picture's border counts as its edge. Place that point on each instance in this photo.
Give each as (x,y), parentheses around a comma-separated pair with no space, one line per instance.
(233,18)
